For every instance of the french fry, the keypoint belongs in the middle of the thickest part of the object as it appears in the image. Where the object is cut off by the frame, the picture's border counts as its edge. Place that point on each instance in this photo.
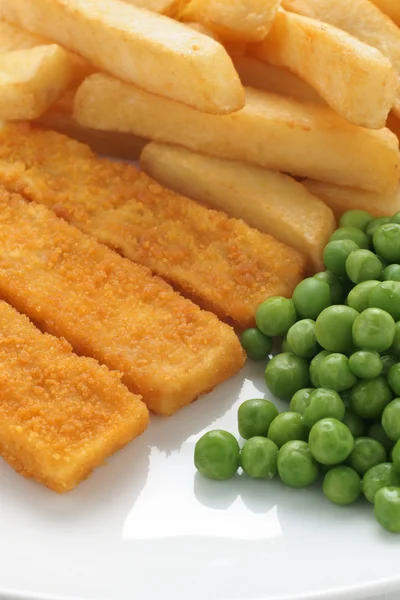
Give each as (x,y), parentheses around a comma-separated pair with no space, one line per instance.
(232,20)
(276,80)
(271,202)
(108,143)
(390,8)
(164,7)
(341,199)
(15,38)
(271,131)
(361,19)
(31,80)
(138,46)
(356,80)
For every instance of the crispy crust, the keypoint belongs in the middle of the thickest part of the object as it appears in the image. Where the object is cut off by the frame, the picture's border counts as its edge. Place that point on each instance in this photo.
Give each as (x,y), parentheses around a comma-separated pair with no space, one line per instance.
(107,307)
(60,415)
(222,263)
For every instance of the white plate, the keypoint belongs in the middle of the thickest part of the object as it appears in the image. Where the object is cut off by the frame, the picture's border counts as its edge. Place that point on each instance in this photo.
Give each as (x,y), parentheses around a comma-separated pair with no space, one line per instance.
(146,527)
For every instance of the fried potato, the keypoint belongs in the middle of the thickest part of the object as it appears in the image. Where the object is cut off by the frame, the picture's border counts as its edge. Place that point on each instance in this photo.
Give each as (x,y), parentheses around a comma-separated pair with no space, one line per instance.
(108,143)
(361,19)
(232,20)
(164,7)
(141,47)
(271,202)
(15,38)
(31,80)
(272,79)
(356,80)
(389,7)
(341,199)
(271,131)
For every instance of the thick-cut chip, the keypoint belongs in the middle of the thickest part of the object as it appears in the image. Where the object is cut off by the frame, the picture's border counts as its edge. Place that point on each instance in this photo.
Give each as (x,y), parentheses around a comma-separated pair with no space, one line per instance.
(222,263)
(361,19)
(389,7)
(276,80)
(31,80)
(232,20)
(138,46)
(341,199)
(61,415)
(107,307)
(108,143)
(356,80)
(14,38)
(274,132)
(164,7)
(273,203)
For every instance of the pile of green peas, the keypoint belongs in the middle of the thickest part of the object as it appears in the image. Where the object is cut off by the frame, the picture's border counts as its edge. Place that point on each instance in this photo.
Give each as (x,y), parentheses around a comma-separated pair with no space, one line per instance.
(339,369)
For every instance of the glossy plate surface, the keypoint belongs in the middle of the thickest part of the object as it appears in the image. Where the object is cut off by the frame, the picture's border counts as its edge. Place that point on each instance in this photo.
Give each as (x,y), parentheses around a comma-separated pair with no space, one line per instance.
(147,527)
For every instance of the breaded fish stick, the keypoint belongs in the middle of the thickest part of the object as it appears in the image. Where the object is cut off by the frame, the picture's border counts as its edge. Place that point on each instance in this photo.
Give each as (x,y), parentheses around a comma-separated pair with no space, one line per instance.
(61,415)
(222,263)
(107,307)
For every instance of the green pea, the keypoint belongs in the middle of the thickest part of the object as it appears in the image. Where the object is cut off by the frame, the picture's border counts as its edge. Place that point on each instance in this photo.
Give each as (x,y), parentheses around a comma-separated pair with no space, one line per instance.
(334,328)
(376,431)
(383,262)
(386,296)
(354,423)
(314,367)
(310,297)
(216,455)
(330,441)
(391,420)
(374,225)
(351,233)
(286,427)
(256,345)
(301,400)
(366,364)
(258,458)
(387,242)
(358,297)
(334,372)
(370,397)
(394,349)
(392,273)
(387,508)
(296,466)
(396,456)
(393,378)
(388,360)
(323,403)
(342,485)
(374,329)
(363,265)
(275,316)
(356,218)
(286,374)
(367,453)
(336,288)
(301,338)
(395,218)
(255,416)
(379,476)
(336,254)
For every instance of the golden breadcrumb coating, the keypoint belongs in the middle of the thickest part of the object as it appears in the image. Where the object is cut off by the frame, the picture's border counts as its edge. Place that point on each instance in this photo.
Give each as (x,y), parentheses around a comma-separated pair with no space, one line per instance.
(107,307)
(221,263)
(61,415)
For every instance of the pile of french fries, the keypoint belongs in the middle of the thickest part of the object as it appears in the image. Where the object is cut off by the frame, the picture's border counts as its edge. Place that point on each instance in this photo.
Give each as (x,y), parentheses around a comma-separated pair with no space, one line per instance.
(279,112)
